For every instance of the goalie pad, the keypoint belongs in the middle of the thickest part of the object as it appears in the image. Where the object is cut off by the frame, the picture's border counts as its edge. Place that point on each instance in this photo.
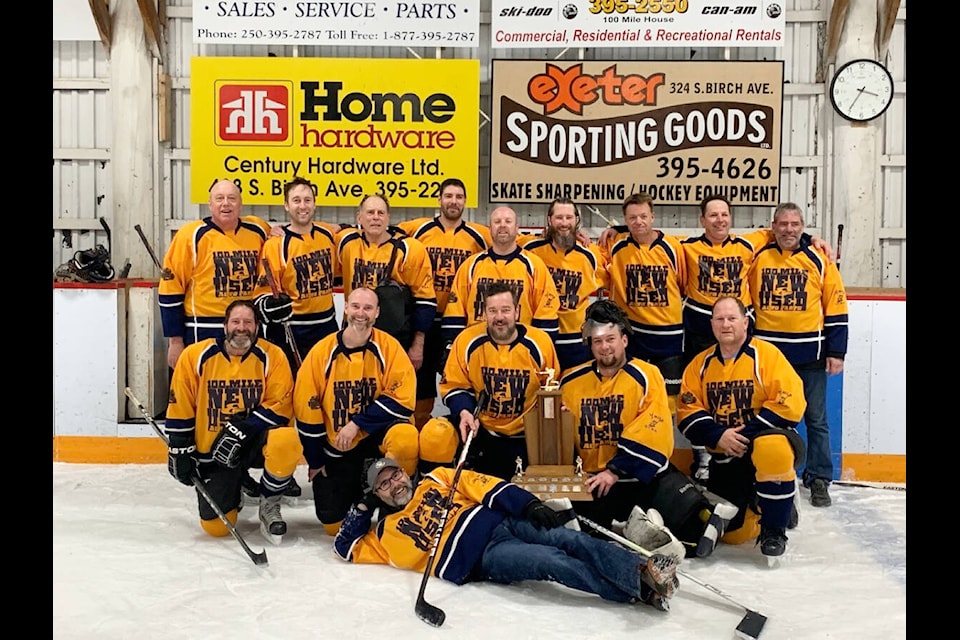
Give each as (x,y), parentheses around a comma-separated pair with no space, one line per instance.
(646,529)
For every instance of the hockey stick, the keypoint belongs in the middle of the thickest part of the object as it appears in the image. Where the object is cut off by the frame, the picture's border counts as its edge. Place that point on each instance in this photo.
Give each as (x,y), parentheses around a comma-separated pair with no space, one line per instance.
(259,559)
(146,243)
(839,242)
(427,612)
(287,331)
(752,623)
(871,485)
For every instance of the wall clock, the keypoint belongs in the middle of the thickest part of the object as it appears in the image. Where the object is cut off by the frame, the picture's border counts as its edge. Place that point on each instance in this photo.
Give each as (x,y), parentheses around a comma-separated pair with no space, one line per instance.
(861,90)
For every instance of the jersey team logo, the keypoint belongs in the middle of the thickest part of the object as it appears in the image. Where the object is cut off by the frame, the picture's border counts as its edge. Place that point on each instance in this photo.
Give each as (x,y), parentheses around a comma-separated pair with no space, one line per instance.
(254,113)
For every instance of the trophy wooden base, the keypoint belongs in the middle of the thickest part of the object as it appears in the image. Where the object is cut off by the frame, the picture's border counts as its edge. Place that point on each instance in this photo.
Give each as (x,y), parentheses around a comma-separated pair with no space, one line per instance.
(547,481)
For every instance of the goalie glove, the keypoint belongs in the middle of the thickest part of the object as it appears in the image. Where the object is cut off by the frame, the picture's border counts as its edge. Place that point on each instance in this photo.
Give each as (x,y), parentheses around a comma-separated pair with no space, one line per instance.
(181,464)
(232,442)
(274,309)
(540,515)
(647,530)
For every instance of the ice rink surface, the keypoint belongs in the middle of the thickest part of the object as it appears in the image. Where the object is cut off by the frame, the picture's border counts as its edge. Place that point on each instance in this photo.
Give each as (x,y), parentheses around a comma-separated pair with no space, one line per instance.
(130,562)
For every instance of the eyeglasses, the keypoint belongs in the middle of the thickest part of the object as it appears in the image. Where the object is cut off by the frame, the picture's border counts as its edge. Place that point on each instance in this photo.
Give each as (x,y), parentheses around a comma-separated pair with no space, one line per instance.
(394,477)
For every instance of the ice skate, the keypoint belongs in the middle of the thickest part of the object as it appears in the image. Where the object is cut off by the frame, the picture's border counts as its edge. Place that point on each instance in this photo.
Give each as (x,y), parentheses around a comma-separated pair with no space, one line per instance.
(773,544)
(660,572)
(272,525)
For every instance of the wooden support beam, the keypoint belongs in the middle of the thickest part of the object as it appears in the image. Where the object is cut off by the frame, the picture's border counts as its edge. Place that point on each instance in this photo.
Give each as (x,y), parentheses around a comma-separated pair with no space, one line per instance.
(101,16)
(153,27)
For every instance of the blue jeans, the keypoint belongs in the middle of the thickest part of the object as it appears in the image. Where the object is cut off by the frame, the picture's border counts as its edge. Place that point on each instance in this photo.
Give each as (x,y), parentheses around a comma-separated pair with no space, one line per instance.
(519,551)
(819,461)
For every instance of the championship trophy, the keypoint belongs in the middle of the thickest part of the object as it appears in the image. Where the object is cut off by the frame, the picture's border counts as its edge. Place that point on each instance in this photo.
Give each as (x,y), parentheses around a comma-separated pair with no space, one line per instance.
(549,433)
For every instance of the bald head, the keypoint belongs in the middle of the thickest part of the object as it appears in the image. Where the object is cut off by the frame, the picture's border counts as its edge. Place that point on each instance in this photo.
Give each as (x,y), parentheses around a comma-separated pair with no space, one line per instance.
(226,204)
(503,229)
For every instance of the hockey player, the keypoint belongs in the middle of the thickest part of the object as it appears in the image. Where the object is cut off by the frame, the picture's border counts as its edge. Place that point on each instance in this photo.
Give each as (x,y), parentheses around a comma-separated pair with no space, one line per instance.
(801,307)
(503,357)
(365,255)
(229,410)
(495,531)
(504,261)
(625,439)
(578,272)
(742,400)
(353,401)
(449,241)
(306,267)
(209,264)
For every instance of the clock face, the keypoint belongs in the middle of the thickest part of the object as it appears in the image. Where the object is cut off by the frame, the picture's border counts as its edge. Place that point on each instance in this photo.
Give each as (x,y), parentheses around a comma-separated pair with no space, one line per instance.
(861,90)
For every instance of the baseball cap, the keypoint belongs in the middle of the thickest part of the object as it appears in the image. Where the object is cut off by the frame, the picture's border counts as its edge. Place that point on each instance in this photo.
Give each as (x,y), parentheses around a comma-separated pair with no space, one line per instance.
(378,466)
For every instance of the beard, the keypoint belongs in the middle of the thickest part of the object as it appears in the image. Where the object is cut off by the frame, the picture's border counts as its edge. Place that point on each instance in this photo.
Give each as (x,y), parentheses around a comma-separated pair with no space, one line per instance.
(502,333)
(400,496)
(610,361)
(360,324)
(239,339)
(563,240)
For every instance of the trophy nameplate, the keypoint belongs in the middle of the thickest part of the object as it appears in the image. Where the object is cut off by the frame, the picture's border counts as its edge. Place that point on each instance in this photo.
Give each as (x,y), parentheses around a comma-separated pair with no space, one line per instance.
(549,434)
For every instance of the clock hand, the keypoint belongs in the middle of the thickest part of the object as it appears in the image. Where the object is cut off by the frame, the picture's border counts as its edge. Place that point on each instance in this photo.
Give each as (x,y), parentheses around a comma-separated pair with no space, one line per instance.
(857,97)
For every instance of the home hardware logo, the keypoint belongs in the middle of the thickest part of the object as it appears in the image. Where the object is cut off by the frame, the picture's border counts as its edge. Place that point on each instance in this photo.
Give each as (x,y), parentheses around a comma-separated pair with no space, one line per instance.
(253,112)
(529,12)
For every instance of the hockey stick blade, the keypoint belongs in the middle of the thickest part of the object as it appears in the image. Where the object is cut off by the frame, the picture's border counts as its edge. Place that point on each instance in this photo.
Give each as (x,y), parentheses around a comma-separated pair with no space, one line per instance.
(751,625)
(259,559)
(430,614)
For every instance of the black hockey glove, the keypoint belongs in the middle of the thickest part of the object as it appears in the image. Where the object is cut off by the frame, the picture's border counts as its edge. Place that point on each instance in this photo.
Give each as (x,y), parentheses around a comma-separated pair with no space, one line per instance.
(232,442)
(181,464)
(540,515)
(276,310)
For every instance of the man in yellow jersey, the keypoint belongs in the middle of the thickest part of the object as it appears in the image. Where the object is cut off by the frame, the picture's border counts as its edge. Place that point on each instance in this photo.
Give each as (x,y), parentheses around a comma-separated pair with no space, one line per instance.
(353,401)
(230,409)
(578,272)
(504,358)
(209,264)
(742,400)
(449,240)
(495,531)
(801,307)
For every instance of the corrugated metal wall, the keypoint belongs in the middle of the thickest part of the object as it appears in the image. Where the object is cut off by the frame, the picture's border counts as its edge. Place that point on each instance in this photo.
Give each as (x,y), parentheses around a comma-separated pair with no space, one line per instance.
(82,137)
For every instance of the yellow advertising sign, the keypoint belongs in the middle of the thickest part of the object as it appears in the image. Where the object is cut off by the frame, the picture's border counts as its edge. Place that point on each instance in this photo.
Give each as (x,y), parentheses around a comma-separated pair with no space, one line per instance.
(597,131)
(350,126)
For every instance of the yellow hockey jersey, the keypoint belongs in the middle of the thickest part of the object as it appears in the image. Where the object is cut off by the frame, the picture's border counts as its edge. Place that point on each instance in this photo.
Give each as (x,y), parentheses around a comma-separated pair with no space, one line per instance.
(204,270)
(577,274)
(716,270)
(448,249)
(647,283)
(404,539)
(374,385)
(800,302)
(306,267)
(507,372)
(758,388)
(524,271)
(365,265)
(623,422)
(209,387)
